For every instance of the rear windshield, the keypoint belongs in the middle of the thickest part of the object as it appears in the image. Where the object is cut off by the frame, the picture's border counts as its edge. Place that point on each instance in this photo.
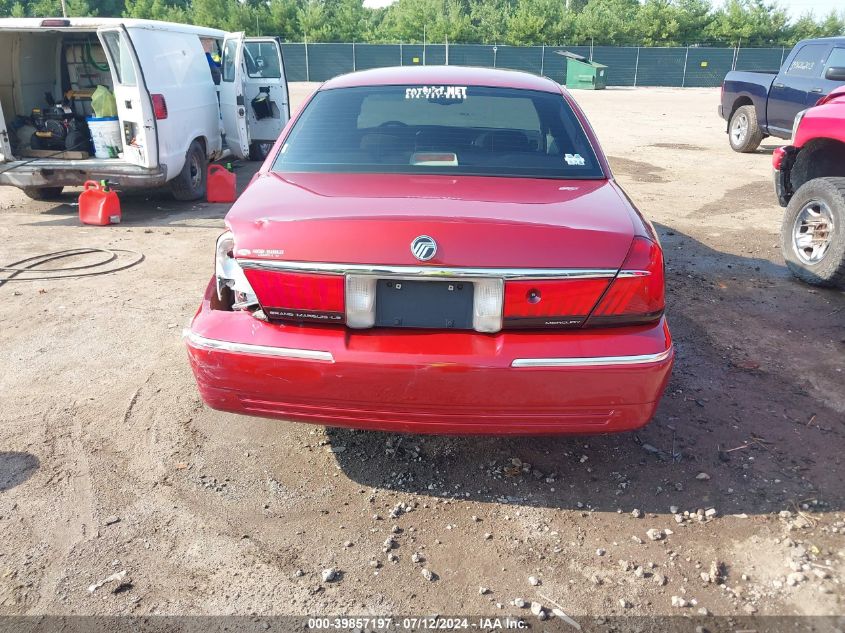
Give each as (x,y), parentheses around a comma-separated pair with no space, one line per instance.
(467,130)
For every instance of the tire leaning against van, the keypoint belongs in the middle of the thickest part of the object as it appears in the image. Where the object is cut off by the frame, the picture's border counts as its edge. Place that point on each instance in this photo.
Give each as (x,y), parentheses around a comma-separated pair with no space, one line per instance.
(820,199)
(752,136)
(258,151)
(191,181)
(43,193)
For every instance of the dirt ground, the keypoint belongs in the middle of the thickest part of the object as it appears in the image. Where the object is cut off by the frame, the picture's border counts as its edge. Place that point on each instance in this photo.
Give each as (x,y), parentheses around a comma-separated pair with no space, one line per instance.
(110,462)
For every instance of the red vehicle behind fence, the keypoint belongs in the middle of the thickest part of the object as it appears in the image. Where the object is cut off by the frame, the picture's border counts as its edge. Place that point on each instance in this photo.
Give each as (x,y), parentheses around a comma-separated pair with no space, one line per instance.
(438,250)
(810,183)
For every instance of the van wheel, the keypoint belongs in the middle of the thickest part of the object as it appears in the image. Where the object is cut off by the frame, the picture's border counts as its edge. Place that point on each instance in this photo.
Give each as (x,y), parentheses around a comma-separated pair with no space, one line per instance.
(744,131)
(813,232)
(191,181)
(259,151)
(43,193)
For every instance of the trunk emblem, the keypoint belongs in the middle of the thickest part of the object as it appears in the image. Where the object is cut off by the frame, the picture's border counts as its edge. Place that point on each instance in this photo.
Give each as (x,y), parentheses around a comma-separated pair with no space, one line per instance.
(424,248)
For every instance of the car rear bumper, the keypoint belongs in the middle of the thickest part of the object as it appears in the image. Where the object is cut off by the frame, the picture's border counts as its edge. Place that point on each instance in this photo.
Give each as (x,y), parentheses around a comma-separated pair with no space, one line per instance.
(589,381)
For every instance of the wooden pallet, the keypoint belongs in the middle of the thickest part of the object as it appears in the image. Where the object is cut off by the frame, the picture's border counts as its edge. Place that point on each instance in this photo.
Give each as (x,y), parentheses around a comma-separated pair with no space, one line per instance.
(48,153)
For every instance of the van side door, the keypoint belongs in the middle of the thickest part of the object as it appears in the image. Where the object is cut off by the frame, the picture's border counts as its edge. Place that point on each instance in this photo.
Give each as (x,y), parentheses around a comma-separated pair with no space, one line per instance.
(233,107)
(134,104)
(265,89)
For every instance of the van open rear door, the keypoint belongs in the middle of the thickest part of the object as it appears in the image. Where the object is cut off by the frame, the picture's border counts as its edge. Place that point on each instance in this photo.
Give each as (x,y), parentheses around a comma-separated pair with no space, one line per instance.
(232,100)
(265,89)
(134,103)
(5,146)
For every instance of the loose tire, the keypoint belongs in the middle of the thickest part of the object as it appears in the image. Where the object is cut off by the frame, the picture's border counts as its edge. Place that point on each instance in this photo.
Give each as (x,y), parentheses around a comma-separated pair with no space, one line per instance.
(258,151)
(744,132)
(813,232)
(43,193)
(191,181)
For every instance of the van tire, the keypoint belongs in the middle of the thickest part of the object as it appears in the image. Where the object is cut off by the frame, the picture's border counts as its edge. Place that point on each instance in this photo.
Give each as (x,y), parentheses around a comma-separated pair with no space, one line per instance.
(744,132)
(258,151)
(43,193)
(191,181)
(818,204)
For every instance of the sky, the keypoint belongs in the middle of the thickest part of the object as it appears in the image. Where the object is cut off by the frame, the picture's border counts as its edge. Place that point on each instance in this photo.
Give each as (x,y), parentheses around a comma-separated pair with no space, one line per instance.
(796,8)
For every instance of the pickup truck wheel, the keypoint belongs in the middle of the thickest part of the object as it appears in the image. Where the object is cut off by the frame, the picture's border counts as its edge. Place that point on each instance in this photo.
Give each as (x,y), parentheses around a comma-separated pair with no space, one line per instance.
(813,232)
(744,131)
(43,193)
(258,151)
(191,181)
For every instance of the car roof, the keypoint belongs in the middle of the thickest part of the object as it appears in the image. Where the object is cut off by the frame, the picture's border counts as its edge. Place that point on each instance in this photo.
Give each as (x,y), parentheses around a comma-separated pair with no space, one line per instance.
(443,75)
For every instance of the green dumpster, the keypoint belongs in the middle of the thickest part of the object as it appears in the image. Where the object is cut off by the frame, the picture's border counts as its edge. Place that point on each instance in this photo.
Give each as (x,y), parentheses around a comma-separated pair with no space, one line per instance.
(582,73)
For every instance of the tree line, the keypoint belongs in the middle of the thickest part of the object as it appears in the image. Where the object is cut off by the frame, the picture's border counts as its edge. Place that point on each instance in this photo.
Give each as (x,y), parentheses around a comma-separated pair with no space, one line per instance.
(516,22)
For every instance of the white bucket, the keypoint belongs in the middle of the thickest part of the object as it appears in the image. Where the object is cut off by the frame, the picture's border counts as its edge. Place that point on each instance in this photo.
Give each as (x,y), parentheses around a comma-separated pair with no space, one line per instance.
(105,133)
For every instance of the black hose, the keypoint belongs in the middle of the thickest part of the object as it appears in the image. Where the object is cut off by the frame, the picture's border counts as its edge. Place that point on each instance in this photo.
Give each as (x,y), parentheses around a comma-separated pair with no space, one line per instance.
(25,266)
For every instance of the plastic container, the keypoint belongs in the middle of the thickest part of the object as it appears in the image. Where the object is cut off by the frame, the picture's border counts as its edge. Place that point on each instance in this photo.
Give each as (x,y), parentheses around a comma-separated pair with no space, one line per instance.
(221,185)
(105,133)
(98,205)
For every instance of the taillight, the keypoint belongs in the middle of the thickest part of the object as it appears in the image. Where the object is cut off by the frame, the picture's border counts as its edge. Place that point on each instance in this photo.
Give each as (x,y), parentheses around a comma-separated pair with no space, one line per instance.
(303,297)
(637,293)
(159,106)
(777,157)
(550,303)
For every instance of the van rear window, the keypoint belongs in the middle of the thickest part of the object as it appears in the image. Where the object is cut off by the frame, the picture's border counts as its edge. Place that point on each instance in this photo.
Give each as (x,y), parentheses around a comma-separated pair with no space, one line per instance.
(122,58)
(470,130)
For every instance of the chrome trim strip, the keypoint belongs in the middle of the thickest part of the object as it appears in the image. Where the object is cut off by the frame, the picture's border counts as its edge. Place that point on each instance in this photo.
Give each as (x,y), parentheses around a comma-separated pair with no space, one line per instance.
(431,271)
(633,273)
(195,340)
(593,361)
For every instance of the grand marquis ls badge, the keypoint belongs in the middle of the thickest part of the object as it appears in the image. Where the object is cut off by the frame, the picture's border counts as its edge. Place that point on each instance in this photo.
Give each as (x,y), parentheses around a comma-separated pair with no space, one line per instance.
(424,248)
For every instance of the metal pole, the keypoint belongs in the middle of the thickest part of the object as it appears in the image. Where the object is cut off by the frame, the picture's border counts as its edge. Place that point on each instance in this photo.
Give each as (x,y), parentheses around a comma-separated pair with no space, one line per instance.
(782,55)
(591,49)
(495,48)
(684,78)
(423,44)
(401,57)
(307,65)
(543,61)
(447,50)
(637,67)
(353,56)
(64,9)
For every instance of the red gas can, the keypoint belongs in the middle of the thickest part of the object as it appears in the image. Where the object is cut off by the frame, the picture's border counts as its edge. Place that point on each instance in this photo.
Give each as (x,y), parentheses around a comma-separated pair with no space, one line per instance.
(98,204)
(221,186)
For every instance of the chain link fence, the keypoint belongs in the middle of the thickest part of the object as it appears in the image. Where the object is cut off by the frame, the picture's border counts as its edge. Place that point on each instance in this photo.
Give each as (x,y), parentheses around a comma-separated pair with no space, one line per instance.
(627,65)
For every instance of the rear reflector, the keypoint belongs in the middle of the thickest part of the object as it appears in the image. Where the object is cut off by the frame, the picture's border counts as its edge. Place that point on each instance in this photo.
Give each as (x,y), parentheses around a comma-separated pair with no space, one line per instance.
(555,303)
(777,157)
(159,106)
(300,297)
(55,22)
(637,294)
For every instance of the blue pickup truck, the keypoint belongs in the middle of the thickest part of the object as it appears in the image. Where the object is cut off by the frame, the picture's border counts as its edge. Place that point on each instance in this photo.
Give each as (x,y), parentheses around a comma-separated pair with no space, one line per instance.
(760,104)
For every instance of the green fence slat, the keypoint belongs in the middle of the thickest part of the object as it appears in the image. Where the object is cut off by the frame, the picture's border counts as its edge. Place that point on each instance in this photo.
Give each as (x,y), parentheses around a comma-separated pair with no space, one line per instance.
(471,55)
(707,67)
(759,59)
(621,62)
(294,56)
(661,67)
(526,58)
(329,60)
(377,56)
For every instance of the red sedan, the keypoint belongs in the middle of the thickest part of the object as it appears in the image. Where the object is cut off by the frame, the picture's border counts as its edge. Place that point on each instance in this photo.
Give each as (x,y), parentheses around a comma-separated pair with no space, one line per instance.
(436,250)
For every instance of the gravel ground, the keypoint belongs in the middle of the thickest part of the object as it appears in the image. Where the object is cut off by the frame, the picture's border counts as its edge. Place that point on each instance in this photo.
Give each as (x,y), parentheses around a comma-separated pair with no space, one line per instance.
(730,502)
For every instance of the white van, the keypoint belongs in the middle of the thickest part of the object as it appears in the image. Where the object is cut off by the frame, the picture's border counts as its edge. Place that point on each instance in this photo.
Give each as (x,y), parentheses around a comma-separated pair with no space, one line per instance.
(185,95)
